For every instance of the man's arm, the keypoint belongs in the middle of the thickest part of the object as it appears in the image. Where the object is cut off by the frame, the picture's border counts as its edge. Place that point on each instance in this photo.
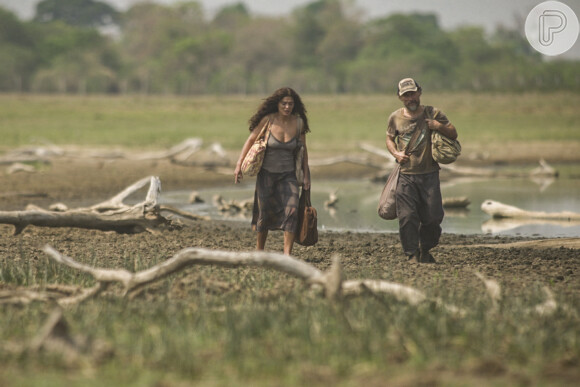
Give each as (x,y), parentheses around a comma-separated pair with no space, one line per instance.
(447,130)
(399,155)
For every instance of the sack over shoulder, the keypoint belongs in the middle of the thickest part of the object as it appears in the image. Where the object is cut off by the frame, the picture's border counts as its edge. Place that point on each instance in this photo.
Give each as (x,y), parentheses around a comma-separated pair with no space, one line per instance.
(444,149)
(387,205)
(255,157)
(307,234)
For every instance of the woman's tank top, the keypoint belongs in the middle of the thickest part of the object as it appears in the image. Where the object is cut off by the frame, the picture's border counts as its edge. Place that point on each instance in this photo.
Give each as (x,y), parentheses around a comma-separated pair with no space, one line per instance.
(279,155)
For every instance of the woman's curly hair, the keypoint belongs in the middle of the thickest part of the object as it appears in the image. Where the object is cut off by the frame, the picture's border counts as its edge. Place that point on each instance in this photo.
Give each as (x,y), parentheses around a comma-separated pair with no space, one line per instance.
(270,105)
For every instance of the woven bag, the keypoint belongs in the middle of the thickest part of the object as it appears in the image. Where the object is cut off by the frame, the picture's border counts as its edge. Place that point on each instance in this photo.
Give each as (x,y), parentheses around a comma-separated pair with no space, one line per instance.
(444,149)
(255,157)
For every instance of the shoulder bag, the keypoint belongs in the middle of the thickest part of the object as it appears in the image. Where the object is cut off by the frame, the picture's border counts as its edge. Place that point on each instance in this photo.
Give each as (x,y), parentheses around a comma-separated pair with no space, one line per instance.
(443,149)
(307,234)
(255,157)
(387,204)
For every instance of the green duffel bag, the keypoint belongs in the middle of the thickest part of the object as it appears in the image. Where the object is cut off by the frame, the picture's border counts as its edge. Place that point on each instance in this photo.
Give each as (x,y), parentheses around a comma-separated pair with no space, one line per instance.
(444,149)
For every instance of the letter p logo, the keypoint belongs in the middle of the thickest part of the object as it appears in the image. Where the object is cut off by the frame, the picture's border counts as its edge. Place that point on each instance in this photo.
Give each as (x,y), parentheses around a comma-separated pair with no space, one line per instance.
(552,28)
(551,22)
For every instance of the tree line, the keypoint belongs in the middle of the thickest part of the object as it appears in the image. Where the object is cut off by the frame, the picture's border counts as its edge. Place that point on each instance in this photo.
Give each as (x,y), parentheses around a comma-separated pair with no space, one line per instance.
(326,46)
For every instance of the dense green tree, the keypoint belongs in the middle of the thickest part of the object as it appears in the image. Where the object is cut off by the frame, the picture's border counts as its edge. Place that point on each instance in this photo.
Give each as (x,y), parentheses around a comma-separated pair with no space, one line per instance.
(149,33)
(323,46)
(232,17)
(17,53)
(80,13)
(410,44)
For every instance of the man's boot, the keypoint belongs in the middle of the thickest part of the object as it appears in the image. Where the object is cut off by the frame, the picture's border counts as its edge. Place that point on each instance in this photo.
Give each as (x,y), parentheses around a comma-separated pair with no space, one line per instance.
(426,257)
(415,257)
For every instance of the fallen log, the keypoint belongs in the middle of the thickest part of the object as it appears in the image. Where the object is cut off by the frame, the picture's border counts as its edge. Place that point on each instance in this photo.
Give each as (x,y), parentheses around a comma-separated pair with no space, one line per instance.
(332,281)
(110,215)
(178,154)
(499,210)
(456,202)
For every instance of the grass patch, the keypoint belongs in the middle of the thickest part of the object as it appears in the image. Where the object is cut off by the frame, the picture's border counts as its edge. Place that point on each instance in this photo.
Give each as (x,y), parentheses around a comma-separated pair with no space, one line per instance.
(275,332)
(338,122)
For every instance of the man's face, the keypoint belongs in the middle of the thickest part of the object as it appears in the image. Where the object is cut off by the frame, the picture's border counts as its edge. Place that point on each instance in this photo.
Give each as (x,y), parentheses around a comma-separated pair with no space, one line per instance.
(411,100)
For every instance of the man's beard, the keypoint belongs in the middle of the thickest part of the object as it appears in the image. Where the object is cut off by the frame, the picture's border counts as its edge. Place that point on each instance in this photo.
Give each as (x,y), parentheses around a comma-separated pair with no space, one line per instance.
(413,105)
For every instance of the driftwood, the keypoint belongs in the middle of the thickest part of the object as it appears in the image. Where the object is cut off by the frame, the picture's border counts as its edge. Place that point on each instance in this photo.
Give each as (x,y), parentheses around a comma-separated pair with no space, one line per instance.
(499,210)
(110,215)
(360,160)
(179,154)
(332,282)
(332,200)
(195,198)
(456,202)
(233,206)
(20,167)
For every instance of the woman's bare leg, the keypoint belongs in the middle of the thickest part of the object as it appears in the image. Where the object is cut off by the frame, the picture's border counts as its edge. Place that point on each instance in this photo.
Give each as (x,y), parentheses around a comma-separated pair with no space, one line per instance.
(289,238)
(261,242)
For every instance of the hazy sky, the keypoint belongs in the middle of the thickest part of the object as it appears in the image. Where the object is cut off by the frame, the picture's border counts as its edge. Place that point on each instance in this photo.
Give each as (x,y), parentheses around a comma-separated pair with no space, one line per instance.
(451,13)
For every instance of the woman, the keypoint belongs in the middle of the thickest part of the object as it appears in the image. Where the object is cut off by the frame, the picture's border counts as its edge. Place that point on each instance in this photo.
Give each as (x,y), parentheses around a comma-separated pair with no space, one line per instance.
(277,192)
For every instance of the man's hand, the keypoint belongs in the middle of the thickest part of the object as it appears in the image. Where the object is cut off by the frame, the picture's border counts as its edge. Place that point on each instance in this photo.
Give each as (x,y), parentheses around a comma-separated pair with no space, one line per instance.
(447,130)
(401,157)
(434,124)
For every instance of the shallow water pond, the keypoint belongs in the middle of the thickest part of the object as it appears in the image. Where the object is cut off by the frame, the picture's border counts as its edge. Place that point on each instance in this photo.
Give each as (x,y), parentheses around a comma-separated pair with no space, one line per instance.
(356,209)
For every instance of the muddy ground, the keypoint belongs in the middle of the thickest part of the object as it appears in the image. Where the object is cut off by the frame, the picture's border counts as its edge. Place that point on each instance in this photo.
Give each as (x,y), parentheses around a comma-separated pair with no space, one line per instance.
(518,263)
(523,266)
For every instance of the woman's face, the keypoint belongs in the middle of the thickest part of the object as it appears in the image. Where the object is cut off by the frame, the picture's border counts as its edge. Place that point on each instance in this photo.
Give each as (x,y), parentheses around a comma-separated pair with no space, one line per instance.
(286,106)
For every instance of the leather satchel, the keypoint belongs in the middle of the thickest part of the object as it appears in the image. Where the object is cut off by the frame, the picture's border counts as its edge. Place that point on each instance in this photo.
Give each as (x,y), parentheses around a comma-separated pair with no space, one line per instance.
(307,234)
(255,157)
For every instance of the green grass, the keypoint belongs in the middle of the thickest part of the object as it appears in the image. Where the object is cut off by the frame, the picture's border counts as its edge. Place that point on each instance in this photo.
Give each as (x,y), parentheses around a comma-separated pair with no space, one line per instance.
(338,123)
(266,335)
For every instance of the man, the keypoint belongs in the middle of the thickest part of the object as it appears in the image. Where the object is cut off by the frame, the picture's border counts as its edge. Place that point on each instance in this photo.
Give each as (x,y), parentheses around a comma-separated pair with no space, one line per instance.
(418,195)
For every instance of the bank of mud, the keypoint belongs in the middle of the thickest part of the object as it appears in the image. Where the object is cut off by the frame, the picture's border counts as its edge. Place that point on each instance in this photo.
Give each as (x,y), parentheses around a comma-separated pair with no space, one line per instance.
(364,255)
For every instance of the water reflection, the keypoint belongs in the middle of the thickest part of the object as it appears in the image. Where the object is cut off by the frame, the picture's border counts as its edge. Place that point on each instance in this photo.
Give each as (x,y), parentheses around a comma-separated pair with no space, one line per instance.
(496,226)
(355,205)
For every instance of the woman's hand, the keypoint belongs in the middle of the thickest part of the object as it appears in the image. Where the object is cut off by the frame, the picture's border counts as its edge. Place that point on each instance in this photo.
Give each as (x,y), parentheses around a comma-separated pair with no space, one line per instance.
(306,182)
(238,175)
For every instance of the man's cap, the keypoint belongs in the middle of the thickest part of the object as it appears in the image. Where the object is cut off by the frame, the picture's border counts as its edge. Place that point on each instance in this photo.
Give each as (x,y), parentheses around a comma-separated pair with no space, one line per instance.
(406,85)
